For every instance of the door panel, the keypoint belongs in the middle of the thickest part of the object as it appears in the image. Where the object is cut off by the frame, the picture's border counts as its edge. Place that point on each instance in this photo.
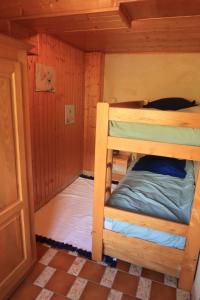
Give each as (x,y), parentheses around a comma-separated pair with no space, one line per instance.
(8,180)
(9,259)
(15,240)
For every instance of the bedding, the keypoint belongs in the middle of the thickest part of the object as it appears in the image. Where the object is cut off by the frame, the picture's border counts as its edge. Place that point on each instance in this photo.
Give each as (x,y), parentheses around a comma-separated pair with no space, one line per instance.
(155,195)
(157,133)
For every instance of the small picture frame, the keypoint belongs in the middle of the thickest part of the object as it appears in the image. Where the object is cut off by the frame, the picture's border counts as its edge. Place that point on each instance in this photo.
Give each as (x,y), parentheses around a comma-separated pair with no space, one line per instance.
(44,78)
(69,114)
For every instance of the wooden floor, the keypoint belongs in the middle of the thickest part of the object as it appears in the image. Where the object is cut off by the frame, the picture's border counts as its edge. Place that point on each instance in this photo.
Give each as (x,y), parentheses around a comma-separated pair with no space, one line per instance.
(60,275)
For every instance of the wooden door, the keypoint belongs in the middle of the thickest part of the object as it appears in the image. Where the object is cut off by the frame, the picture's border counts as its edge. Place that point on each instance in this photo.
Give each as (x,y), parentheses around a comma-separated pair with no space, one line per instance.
(15,240)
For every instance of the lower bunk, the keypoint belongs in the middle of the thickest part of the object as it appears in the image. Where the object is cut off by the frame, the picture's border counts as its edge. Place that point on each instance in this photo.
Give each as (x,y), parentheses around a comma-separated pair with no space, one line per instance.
(146,220)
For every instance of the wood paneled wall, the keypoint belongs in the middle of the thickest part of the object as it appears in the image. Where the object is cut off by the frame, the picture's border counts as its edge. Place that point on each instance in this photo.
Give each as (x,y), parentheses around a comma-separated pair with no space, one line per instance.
(56,148)
(94,73)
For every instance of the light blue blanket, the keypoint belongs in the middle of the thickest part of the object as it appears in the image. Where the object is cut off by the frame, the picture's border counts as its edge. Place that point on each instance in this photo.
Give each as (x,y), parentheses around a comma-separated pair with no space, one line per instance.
(156,195)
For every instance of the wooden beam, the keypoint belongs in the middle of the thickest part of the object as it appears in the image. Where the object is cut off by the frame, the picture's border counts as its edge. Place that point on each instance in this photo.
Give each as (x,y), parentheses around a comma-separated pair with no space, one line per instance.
(155,117)
(154,148)
(150,255)
(146,221)
(166,24)
(34,9)
(100,183)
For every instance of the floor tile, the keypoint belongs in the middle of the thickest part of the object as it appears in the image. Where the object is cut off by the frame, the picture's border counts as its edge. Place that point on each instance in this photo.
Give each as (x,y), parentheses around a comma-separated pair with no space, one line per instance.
(115,295)
(77,288)
(122,265)
(135,270)
(44,277)
(162,292)
(170,281)
(41,249)
(77,266)
(60,282)
(62,260)
(26,291)
(44,295)
(47,257)
(36,271)
(153,275)
(92,271)
(144,288)
(94,292)
(127,297)
(125,283)
(108,277)
(59,297)
(182,295)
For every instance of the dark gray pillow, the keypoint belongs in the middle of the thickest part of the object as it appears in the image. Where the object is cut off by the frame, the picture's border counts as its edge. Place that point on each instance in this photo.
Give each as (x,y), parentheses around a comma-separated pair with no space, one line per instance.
(172,103)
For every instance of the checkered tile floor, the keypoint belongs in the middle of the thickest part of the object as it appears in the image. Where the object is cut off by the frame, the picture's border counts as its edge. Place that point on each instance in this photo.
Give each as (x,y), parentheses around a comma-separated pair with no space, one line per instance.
(61,275)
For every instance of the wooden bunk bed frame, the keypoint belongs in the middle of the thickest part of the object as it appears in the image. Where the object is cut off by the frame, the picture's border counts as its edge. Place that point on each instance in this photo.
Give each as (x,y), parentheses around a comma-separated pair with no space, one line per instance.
(171,261)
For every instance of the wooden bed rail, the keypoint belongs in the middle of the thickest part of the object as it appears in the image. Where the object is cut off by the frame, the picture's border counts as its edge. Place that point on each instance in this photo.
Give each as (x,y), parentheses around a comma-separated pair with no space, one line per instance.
(154,148)
(146,221)
(154,117)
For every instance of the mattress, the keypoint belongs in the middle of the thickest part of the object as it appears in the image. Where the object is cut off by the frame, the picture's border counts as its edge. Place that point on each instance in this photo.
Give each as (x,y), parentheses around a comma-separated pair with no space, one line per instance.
(158,133)
(155,195)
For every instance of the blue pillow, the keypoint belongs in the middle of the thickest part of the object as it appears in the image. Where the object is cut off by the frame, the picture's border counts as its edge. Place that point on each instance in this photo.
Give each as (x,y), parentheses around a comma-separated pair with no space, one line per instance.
(161,165)
(172,103)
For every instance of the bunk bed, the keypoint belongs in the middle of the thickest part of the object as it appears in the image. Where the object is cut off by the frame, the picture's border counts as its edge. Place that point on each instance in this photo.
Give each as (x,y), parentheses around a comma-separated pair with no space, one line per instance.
(180,263)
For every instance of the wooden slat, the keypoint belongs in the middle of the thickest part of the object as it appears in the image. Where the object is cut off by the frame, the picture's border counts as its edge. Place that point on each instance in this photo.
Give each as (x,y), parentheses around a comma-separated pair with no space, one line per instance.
(100,180)
(155,117)
(152,256)
(193,243)
(154,148)
(146,221)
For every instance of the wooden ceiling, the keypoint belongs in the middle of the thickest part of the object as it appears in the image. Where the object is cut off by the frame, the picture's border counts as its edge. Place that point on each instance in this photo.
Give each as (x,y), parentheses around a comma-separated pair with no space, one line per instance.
(108,25)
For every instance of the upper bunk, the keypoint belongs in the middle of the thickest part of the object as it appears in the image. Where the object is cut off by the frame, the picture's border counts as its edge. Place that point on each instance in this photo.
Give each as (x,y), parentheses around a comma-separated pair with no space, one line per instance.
(151,131)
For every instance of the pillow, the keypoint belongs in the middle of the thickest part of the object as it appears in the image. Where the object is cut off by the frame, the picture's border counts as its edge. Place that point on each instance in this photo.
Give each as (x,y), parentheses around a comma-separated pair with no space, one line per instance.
(170,104)
(161,165)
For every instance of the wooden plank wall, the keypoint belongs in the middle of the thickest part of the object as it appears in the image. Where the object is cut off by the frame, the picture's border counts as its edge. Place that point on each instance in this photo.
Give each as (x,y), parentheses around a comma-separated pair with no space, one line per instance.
(94,76)
(56,148)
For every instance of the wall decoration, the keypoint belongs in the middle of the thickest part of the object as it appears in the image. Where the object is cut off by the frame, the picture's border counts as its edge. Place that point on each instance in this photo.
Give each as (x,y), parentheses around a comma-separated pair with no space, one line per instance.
(69,114)
(45,78)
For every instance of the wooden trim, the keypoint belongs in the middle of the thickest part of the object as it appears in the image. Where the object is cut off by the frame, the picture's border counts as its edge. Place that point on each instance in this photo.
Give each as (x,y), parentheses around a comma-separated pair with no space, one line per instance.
(65,13)
(153,256)
(100,184)
(14,43)
(154,148)
(193,243)
(146,221)
(155,117)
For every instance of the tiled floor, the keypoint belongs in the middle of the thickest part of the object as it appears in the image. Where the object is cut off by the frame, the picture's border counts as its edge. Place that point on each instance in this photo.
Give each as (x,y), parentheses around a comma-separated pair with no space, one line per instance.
(61,275)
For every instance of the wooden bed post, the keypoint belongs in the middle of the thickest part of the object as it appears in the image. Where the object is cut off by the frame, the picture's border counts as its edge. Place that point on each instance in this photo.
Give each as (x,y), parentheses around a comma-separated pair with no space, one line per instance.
(193,243)
(100,179)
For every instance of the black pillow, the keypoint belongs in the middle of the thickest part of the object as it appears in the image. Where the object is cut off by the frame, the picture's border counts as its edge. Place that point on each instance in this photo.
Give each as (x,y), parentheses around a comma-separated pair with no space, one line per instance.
(170,103)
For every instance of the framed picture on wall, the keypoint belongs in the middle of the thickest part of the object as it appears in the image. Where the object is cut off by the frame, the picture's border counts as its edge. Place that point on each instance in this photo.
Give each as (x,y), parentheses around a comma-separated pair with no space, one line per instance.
(69,114)
(44,78)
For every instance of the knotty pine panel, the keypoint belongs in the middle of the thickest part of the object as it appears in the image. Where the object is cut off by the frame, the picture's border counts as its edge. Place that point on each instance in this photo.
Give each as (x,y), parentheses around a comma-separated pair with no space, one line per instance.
(94,72)
(56,148)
